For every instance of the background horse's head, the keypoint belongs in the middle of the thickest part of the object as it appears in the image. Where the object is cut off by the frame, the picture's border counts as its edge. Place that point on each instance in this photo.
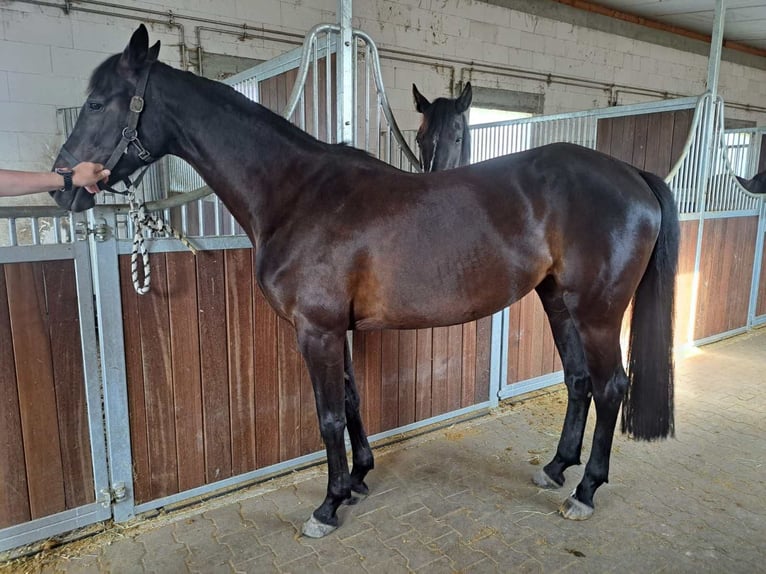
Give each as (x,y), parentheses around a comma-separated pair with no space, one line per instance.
(443,138)
(105,116)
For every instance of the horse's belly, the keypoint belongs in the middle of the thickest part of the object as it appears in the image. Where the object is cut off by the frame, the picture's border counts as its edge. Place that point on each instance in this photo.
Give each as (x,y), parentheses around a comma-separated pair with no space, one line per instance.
(421,299)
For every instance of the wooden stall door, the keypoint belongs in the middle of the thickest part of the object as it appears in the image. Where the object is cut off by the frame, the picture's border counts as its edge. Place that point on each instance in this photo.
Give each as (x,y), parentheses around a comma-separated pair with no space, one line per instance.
(45,457)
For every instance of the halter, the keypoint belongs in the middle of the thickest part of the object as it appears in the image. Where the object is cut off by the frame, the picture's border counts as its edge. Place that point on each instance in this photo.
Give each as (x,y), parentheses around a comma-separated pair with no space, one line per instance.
(129,137)
(142,220)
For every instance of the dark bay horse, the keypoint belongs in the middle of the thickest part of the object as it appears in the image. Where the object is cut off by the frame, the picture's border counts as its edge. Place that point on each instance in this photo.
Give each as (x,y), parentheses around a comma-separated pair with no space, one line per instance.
(443,138)
(344,241)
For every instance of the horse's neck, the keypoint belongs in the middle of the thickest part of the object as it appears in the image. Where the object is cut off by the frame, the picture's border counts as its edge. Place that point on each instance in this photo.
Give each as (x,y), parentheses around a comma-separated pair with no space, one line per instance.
(244,153)
(758,183)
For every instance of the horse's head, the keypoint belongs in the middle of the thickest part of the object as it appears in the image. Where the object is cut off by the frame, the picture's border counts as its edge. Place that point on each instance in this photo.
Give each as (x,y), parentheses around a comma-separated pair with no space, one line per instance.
(443,137)
(112,115)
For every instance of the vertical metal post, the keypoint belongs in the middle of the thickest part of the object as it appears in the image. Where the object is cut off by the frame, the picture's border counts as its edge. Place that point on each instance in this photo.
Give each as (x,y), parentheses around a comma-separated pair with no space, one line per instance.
(498,356)
(87,316)
(757,265)
(106,284)
(716,47)
(345,75)
(709,148)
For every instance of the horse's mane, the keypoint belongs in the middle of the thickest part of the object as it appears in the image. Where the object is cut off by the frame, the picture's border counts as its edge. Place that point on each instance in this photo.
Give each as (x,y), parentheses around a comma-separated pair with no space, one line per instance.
(102,79)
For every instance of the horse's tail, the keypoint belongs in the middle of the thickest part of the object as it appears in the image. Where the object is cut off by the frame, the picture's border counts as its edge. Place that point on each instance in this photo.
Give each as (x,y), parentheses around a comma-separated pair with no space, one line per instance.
(647,411)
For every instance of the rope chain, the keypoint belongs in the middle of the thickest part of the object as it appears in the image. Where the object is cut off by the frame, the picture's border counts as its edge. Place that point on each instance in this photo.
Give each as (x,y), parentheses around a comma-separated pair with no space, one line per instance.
(143,221)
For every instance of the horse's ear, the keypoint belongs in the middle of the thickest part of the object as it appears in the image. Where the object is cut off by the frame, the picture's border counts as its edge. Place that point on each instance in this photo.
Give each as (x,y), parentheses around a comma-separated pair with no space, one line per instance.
(421,103)
(135,54)
(464,101)
(154,51)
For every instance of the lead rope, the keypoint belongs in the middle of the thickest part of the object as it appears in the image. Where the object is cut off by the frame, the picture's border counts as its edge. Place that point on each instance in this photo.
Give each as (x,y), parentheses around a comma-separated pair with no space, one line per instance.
(145,221)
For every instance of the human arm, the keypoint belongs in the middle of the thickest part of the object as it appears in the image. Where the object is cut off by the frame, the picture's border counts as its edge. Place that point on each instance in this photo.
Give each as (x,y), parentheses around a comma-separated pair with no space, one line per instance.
(84,174)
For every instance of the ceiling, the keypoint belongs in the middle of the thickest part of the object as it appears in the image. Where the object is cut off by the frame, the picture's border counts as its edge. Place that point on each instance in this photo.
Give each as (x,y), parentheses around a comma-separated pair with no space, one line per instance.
(745,20)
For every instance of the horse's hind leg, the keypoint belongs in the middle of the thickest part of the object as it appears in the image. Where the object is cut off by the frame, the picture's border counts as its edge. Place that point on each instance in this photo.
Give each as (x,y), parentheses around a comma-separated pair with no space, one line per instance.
(323,353)
(601,343)
(578,385)
(360,448)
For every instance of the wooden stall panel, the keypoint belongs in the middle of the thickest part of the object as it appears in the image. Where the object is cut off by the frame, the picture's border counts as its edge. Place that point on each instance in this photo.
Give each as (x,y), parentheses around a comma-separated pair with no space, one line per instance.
(531,349)
(685,281)
(728,247)
(14,494)
(216,384)
(410,376)
(653,142)
(45,456)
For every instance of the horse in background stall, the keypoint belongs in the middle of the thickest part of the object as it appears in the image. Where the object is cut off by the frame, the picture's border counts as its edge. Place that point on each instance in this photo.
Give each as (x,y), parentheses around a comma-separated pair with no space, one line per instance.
(444,137)
(756,184)
(344,241)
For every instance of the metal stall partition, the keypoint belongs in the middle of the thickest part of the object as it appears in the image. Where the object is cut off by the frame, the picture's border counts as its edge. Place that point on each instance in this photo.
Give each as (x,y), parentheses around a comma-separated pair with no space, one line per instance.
(205,388)
(722,221)
(53,467)
(651,136)
(732,243)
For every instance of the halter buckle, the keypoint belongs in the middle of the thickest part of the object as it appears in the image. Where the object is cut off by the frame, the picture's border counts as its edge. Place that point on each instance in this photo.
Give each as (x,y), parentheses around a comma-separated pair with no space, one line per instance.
(137,104)
(129,134)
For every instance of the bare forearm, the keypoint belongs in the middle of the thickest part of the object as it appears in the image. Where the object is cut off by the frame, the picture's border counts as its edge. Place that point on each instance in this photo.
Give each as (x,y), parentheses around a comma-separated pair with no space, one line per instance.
(85,174)
(27,182)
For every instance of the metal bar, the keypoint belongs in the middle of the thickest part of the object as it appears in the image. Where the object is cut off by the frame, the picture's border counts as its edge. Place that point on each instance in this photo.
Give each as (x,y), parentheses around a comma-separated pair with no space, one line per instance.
(35,231)
(716,46)
(383,99)
(328,91)
(91,373)
(303,70)
(106,281)
(496,345)
(534,384)
(53,525)
(344,75)
(23,253)
(720,336)
(315,92)
(752,306)
(217,215)
(366,98)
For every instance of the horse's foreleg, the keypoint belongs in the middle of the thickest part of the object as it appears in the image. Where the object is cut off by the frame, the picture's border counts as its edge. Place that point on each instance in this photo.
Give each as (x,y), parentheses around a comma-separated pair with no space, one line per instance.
(323,353)
(609,383)
(360,448)
(578,385)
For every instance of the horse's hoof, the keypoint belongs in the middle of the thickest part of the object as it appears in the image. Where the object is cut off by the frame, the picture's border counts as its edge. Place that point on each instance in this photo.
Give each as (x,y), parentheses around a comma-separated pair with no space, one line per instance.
(541,479)
(573,509)
(315,529)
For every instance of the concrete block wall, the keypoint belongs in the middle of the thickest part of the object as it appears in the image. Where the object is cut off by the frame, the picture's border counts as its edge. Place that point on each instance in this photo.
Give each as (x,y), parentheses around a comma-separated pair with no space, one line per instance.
(46,56)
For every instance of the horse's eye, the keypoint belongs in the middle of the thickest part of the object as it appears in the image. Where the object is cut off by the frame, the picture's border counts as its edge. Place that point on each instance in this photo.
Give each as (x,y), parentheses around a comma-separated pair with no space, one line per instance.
(458,140)
(95,106)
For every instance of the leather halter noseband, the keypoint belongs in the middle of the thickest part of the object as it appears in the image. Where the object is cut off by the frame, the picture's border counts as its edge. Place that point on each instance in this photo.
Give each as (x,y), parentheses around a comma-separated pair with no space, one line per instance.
(129,137)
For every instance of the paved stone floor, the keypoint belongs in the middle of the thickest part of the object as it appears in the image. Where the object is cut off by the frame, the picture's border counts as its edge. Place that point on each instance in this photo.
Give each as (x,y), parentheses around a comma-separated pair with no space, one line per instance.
(460,499)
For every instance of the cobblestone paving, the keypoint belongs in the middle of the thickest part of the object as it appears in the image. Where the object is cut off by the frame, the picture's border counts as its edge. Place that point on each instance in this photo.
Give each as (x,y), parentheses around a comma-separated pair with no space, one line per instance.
(460,499)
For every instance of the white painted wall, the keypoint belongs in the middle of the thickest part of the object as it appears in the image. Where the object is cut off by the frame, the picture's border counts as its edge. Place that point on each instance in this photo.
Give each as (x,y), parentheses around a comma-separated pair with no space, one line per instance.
(46,56)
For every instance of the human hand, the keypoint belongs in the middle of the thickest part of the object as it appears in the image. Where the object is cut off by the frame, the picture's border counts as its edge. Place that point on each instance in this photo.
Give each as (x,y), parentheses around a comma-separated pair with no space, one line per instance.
(87,175)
